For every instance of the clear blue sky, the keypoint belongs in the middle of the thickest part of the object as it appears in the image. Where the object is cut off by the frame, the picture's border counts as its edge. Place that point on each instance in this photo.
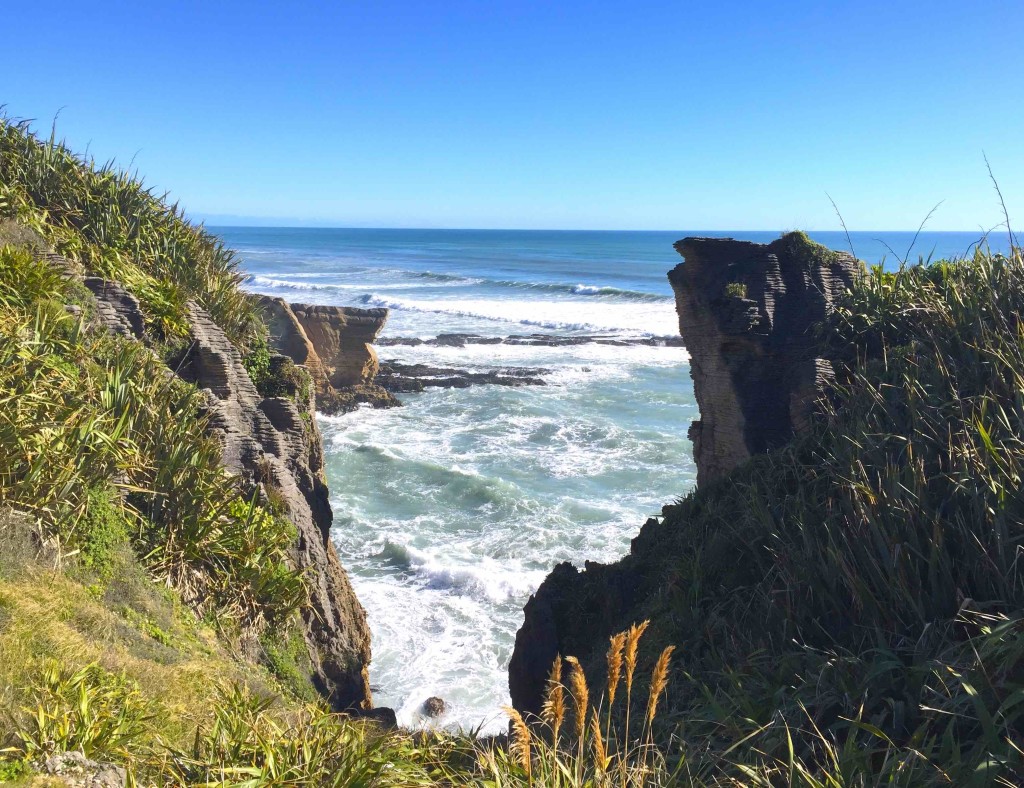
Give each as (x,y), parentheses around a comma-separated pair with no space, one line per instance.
(567,114)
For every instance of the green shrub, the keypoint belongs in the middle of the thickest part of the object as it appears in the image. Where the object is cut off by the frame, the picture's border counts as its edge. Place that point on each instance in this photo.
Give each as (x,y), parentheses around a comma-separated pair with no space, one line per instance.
(257,363)
(90,710)
(102,535)
(24,279)
(118,228)
(83,412)
(287,658)
(736,290)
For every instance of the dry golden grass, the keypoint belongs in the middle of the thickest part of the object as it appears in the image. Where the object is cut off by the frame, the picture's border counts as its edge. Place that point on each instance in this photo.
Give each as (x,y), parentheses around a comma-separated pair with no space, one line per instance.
(136,632)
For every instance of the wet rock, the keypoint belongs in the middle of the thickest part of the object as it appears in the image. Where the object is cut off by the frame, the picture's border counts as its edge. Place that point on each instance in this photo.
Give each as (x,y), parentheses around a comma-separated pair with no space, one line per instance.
(433,707)
(746,314)
(397,377)
(382,715)
(571,613)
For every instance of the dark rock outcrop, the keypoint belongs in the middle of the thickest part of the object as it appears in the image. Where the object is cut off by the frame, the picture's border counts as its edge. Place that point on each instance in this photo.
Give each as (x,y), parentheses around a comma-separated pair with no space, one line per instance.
(333,343)
(746,314)
(433,707)
(397,377)
(266,441)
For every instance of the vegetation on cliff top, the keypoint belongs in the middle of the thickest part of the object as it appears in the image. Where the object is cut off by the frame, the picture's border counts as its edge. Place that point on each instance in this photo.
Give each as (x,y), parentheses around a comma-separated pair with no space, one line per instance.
(109,221)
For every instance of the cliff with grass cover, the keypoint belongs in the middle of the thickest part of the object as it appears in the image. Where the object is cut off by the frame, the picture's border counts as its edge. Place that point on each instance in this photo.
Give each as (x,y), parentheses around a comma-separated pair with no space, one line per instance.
(144,425)
(848,604)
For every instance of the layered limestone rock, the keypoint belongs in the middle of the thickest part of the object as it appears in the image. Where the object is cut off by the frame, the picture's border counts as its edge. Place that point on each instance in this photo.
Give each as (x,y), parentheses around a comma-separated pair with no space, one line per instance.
(334,344)
(746,314)
(266,441)
(117,309)
(343,337)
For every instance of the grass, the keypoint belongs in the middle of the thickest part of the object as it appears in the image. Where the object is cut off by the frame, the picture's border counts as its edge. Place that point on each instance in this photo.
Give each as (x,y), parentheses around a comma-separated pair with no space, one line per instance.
(107,220)
(99,440)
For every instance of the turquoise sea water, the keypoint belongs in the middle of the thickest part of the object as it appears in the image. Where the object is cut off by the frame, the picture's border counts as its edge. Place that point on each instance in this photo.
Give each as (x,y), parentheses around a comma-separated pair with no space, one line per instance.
(450,511)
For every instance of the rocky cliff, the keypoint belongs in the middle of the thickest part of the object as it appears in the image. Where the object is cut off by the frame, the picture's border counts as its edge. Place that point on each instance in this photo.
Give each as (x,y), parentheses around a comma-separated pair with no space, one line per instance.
(272,442)
(267,441)
(334,344)
(747,314)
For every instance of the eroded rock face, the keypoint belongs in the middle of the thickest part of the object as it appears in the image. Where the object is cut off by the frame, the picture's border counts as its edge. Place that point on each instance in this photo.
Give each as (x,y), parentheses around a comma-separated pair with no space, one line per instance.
(288,337)
(266,440)
(333,343)
(343,337)
(117,309)
(746,314)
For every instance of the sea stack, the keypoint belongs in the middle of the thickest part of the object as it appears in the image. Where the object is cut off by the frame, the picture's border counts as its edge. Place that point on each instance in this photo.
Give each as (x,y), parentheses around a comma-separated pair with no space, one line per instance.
(746,314)
(334,344)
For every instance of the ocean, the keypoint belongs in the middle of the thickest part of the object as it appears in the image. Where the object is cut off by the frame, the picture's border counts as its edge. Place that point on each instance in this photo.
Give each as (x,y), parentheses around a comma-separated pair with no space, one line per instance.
(450,511)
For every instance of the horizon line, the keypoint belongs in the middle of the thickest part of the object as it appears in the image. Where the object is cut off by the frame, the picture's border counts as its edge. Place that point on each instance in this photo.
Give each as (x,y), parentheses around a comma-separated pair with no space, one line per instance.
(257,224)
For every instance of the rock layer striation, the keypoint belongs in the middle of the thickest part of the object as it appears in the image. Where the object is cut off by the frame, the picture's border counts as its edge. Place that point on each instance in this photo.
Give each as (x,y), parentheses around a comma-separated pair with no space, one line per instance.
(266,440)
(334,344)
(746,315)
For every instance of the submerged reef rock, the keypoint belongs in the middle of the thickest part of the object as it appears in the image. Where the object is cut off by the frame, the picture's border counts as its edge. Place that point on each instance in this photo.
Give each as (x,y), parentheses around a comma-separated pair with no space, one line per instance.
(266,440)
(334,344)
(397,377)
(433,707)
(746,313)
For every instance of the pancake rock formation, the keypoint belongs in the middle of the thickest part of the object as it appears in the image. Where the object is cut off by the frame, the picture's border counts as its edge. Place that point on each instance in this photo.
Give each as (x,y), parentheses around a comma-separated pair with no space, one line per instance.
(266,441)
(334,344)
(747,313)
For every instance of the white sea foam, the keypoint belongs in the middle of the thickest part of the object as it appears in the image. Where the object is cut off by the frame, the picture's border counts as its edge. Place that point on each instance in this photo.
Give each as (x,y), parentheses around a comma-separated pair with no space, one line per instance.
(568,362)
(562,314)
(450,511)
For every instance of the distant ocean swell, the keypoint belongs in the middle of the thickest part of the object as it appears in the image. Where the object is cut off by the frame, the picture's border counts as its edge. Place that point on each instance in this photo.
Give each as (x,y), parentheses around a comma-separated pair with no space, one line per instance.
(550,287)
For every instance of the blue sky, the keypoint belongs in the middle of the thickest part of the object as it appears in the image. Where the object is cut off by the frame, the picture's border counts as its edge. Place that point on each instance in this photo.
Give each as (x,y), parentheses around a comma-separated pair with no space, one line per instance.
(639,115)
